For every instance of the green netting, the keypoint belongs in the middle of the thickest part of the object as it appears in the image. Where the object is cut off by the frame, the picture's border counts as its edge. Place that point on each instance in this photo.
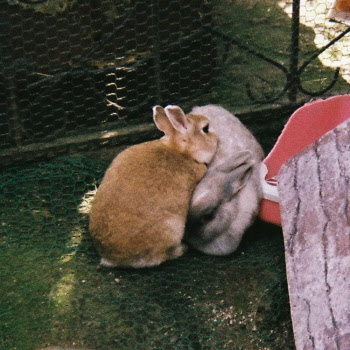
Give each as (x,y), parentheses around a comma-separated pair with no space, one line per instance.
(53,292)
(62,61)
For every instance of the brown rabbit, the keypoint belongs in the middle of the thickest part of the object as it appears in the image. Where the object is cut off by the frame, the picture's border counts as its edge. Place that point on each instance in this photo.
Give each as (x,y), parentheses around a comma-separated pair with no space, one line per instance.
(138,214)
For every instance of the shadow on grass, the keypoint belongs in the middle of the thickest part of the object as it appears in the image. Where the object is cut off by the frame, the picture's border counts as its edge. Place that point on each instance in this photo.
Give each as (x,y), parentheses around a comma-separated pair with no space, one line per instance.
(54,293)
(265,27)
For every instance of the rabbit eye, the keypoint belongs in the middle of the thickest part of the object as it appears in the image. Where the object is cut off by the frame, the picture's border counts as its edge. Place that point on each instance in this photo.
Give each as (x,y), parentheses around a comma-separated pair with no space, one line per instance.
(206,129)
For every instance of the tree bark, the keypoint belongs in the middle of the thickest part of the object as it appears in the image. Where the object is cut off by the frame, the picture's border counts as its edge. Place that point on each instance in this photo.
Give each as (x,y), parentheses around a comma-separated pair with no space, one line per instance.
(315,210)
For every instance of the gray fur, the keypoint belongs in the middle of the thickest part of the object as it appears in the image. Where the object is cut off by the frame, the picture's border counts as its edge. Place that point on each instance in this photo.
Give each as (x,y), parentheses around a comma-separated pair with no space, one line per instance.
(226,201)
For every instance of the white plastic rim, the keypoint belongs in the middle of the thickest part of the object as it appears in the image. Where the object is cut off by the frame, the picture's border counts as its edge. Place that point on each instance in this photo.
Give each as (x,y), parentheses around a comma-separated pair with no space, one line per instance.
(269,187)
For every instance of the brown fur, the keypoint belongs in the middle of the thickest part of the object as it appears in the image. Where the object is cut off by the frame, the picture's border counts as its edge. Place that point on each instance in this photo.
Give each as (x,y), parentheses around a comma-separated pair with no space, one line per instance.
(138,214)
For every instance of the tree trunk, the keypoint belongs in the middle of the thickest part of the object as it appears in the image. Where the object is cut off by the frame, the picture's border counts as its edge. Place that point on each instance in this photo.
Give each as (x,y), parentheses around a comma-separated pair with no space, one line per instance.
(314,193)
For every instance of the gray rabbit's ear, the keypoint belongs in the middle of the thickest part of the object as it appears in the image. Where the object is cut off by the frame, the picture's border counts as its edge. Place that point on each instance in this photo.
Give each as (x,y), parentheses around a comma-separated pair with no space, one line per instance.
(233,162)
(223,182)
(209,193)
(237,169)
(238,178)
(177,118)
(201,202)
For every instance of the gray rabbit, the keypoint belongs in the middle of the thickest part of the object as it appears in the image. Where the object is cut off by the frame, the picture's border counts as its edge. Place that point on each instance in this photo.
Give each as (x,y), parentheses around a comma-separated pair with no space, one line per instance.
(226,201)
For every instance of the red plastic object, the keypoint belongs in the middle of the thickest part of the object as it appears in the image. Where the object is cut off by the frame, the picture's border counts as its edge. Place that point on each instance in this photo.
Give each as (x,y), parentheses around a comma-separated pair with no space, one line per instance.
(306,125)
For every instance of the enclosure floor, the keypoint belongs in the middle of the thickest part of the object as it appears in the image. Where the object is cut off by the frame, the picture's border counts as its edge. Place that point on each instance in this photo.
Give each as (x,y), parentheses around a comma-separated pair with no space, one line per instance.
(54,294)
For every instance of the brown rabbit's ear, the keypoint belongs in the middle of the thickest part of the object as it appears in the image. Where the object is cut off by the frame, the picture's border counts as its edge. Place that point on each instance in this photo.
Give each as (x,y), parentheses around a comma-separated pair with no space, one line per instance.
(177,118)
(161,120)
(169,119)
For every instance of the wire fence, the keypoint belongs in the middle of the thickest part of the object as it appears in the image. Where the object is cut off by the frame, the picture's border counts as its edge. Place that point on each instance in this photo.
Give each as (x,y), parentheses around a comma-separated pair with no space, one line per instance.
(80,75)
(71,68)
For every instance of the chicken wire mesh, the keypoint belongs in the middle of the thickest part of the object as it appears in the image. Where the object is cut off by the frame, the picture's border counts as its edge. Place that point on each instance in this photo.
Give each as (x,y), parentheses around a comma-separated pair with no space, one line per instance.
(75,68)
(65,61)
(79,75)
(54,294)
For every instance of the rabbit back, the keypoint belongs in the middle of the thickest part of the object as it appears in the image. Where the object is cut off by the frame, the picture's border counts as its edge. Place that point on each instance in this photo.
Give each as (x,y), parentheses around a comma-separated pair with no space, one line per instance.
(140,222)
(216,220)
(138,214)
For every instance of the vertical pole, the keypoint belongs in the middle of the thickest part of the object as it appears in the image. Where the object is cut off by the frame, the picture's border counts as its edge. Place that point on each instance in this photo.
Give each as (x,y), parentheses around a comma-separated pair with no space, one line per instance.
(156,49)
(294,55)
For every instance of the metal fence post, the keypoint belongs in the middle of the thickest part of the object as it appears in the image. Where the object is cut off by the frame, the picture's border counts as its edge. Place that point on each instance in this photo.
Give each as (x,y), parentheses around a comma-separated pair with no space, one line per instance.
(156,49)
(294,56)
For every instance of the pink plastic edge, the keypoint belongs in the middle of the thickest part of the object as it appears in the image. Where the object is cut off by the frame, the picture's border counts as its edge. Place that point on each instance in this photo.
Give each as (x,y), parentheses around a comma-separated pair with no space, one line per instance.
(306,125)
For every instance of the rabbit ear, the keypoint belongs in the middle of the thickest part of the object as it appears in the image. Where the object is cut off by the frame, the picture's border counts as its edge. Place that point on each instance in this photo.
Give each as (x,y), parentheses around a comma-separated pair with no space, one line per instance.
(237,170)
(238,178)
(222,182)
(170,119)
(234,162)
(161,120)
(177,118)
(210,192)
